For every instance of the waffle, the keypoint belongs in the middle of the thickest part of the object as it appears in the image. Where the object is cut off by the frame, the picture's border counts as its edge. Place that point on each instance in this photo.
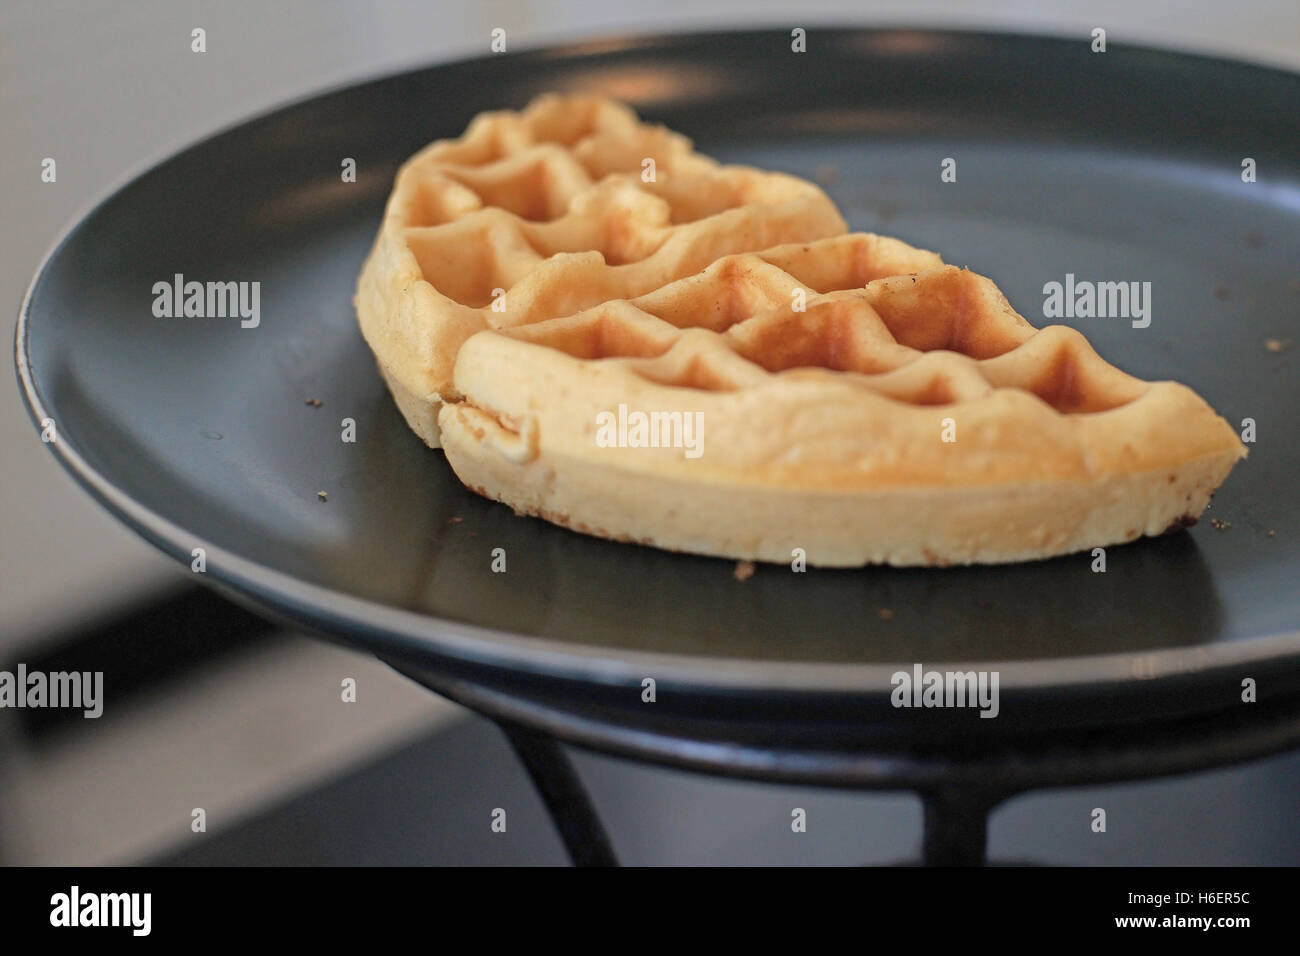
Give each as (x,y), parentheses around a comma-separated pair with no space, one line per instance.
(823,429)
(543,213)
(844,398)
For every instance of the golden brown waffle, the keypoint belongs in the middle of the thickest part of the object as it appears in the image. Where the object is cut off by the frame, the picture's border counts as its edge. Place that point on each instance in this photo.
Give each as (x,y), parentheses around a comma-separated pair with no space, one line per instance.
(541,213)
(812,395)
(915,420)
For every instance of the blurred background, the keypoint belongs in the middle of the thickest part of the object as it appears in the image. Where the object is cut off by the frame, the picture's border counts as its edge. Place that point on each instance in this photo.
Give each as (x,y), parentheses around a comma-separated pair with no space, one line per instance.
(212,707)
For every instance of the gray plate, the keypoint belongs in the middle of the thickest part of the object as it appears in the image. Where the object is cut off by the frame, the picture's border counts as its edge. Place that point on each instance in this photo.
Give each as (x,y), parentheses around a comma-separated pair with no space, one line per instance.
(1115,166)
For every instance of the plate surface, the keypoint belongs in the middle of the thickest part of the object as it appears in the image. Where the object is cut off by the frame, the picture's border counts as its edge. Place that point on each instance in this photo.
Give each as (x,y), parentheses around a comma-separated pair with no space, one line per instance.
(1123,166)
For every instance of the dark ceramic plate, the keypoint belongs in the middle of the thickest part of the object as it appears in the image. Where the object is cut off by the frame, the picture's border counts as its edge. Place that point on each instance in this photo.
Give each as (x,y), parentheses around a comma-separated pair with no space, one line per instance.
(1121,166)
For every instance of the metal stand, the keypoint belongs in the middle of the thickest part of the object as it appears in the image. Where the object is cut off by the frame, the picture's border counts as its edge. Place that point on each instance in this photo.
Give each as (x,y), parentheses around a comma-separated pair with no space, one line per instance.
(958,794)
(956,822)
(565,797)
(956,828)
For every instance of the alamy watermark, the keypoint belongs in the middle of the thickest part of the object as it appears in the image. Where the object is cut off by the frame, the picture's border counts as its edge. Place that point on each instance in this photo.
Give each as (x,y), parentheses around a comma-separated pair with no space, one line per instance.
(75,908)
(76,690)
(662,429)
(922,688)
(1100,300)
(208,300)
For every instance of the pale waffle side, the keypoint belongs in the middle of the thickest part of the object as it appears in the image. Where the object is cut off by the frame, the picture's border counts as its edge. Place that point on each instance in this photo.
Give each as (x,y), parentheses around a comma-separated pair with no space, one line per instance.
(545,212)
(824,429)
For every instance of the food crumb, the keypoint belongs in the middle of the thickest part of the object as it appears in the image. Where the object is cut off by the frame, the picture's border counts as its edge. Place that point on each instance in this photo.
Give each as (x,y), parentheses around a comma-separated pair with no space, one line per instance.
(826,174)
(322,496)
(1221,292)
(315,402)
(886,614)
(1272,534)
(1277,345)
(1218,524)
(744,570)
(455,519)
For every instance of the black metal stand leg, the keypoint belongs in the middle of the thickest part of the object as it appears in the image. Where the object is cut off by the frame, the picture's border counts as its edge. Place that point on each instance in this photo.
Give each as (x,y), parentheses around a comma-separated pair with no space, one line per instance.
(565,797)
(956,828)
